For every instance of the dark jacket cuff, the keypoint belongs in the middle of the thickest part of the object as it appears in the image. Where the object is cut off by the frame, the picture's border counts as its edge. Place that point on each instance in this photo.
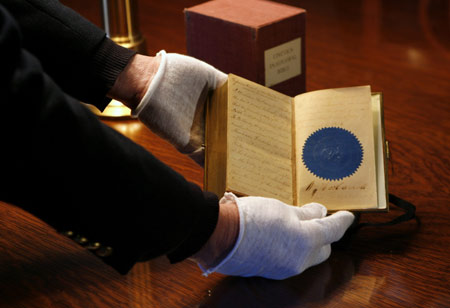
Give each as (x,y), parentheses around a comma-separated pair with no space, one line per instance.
(204,227)
(109,60)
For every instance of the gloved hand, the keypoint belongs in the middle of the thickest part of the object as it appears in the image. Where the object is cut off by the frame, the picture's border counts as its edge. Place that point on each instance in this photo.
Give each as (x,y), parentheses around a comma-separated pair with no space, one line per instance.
(173,106)
(277,240)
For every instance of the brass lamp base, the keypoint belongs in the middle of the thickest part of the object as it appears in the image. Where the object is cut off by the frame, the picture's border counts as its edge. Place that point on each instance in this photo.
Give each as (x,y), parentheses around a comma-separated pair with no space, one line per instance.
(136,42)
(115,109)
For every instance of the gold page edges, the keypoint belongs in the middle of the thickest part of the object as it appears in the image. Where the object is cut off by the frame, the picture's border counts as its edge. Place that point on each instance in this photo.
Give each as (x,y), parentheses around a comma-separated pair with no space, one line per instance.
(216,141)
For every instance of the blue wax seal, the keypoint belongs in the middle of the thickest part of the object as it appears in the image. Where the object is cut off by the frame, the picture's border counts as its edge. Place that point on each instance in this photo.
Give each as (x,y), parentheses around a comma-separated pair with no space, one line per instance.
(332,153)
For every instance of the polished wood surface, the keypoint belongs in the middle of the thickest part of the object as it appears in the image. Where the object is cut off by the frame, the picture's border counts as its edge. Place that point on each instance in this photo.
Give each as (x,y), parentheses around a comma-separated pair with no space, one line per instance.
(401,48)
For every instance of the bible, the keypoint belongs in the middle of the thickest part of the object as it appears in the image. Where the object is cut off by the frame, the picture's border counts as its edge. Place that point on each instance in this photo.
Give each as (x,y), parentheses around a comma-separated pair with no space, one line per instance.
(324,146)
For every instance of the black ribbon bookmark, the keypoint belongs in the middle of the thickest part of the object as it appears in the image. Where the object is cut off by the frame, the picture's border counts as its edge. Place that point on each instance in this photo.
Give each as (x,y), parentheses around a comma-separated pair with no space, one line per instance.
(409,214)
(407,207)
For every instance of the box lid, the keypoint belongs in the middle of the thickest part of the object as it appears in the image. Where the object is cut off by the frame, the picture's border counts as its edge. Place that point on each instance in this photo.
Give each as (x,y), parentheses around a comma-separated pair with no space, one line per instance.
(251,13)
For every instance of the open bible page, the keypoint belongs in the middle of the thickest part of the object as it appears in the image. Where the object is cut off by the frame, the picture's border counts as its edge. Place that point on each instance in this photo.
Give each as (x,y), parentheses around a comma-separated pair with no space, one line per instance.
(259,161)
(336,158)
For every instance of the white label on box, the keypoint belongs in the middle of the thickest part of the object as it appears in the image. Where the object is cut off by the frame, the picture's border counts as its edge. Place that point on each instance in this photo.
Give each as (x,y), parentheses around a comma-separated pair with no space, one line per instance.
(283,62)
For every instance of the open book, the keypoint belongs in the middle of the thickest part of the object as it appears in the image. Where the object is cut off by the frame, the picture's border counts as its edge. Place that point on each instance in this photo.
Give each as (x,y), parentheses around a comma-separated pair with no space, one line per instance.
(325,146)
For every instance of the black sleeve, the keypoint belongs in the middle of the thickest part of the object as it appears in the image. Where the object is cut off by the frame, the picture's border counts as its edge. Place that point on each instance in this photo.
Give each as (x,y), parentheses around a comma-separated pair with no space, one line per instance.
(59,162)
(72,50)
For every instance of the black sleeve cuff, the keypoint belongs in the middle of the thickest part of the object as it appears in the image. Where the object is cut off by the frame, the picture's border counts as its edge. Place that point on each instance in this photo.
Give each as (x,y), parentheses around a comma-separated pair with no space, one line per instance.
(208,215)
(204,227)
(109,60)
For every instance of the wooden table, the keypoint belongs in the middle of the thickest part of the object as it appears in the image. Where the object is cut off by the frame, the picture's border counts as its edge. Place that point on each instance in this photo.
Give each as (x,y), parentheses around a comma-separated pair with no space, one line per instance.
(401,48)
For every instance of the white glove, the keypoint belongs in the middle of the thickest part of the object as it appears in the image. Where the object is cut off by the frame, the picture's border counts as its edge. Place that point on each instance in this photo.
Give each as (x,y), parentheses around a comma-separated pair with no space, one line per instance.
(173,106)
(277,240)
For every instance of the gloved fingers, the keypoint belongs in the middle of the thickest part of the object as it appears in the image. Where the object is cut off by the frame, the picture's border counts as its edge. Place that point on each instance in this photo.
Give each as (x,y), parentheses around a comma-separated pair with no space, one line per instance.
(191,65)
(328,229)
(315,257)
(221,78)
(173,106)
(322,254)
(310,211)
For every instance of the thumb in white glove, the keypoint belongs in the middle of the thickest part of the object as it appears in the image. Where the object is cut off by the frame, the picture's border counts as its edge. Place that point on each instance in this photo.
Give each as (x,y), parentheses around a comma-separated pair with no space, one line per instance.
(173,106)
(277,240)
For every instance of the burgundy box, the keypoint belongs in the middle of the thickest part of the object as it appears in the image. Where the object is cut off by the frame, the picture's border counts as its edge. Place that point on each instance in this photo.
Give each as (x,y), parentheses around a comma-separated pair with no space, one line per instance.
(259,40)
